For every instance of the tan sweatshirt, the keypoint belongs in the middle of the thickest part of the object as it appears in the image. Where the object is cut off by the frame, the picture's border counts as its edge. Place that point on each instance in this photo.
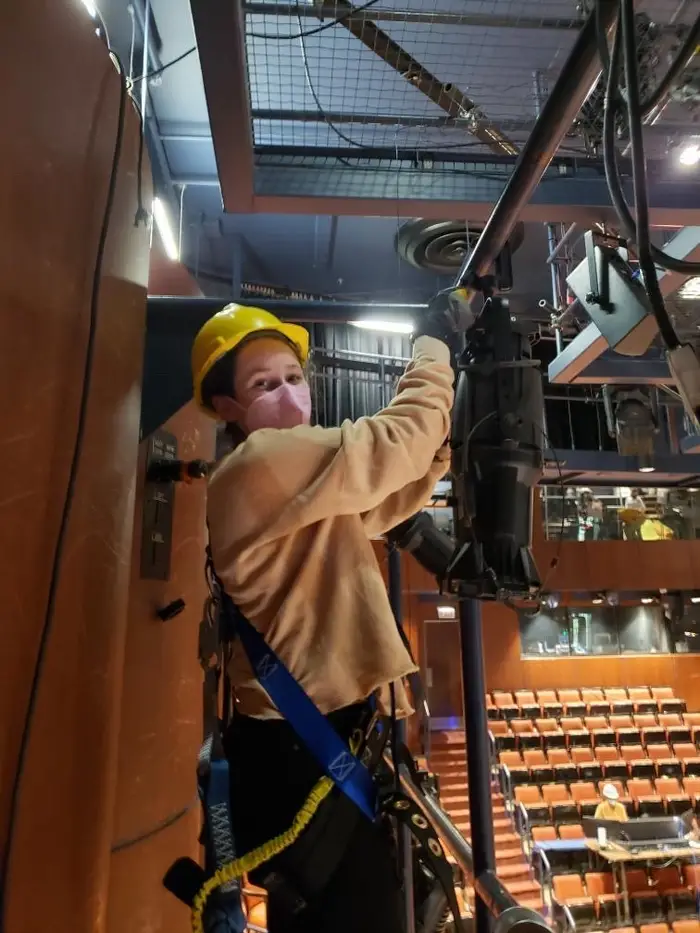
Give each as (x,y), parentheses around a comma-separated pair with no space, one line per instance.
(291,514)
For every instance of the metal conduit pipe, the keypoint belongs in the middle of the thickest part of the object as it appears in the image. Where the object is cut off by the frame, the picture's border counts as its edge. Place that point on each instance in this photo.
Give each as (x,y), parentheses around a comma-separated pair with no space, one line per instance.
(566,236)
(578,77)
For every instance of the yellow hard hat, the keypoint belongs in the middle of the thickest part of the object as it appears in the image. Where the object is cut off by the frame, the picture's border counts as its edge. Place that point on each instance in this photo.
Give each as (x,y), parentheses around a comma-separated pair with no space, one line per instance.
(231,326)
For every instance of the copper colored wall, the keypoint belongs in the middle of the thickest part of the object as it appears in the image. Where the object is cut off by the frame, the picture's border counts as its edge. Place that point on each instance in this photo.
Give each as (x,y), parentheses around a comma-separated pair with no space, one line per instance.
(59,128)
(615,565)
(161,728)
(156,816)
(506,670)
(611,564)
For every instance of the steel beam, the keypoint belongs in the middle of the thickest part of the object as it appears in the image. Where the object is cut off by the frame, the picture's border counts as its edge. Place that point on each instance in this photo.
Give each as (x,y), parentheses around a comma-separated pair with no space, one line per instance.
(384,15)
(449,194)
(219,29)
(606,467)
(575,363)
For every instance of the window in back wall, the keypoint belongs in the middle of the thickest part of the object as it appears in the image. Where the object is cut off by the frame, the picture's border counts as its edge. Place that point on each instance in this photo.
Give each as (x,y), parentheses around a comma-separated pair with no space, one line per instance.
(644,630)
(544,634)
(685,632)
(593,630)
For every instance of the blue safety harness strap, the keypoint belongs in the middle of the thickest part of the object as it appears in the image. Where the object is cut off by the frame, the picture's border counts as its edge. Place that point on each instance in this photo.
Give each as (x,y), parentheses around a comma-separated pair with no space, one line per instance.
(311,726)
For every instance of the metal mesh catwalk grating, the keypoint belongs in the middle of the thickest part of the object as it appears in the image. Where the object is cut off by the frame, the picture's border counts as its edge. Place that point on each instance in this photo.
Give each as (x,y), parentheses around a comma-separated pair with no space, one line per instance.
(314,84)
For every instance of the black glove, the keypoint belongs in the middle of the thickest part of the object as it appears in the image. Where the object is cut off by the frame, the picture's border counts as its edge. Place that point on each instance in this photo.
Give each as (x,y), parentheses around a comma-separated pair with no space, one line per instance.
(449,314)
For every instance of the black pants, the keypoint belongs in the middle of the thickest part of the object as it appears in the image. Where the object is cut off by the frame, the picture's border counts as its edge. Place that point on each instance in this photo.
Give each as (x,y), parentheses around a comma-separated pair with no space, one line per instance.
(271,776)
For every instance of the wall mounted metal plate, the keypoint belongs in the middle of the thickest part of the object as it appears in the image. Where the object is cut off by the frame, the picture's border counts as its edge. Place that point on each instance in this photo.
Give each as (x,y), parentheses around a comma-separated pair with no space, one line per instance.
(158,508)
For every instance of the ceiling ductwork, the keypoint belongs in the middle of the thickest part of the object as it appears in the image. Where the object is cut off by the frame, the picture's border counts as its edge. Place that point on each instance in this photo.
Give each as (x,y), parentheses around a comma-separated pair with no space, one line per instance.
(441,246)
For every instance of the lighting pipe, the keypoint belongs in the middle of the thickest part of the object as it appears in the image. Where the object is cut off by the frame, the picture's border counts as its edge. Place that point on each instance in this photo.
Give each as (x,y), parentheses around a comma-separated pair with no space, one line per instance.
(577,79)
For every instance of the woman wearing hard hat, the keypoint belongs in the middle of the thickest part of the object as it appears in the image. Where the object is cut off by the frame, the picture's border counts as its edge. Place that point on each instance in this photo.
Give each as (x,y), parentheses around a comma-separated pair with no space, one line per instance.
(291,513)
(610,807)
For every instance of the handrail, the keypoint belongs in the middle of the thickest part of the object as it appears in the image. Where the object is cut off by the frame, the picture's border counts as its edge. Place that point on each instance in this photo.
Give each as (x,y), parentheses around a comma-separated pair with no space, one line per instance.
(510,917)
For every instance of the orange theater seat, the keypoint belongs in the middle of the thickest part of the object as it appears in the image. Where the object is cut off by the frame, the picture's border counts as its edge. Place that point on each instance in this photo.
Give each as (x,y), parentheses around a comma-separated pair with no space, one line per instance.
(570,896)
(544,834)
(686,926)
(601,887)
(571,831)
(549,703)
(666,880)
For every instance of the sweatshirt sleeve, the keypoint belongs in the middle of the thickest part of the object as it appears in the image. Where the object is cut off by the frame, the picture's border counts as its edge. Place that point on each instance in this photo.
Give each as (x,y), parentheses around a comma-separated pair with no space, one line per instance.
(409,500)
(280,481)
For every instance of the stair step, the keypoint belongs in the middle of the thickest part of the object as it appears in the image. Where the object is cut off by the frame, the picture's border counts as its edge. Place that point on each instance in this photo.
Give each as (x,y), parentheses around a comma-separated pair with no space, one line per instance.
(507,839)
(524,888)
(505,853)
(520,872)
(534,903)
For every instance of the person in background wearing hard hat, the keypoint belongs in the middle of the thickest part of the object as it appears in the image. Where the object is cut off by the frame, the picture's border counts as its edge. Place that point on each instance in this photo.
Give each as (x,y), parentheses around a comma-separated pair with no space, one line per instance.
(610,807)
(292,510)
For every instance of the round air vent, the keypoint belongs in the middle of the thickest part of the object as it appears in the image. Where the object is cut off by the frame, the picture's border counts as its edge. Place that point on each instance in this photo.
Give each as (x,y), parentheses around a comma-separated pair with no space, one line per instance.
(441,246)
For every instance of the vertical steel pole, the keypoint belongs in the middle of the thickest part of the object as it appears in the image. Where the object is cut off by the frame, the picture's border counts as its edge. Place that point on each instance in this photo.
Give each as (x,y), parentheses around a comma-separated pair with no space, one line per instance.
(478,752)
(405,852)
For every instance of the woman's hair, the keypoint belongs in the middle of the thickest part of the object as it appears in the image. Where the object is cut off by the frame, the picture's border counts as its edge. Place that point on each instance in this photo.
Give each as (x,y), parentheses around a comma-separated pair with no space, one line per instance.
(220,381)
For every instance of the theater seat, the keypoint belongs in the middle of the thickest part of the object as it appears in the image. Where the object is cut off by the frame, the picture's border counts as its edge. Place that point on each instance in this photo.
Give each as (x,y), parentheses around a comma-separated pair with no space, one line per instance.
(596,703)
(641,697)
(680,905)
(571,899)
(654,928)
(549,703)
(645,720)
(601,887)
(669,767)
(575,731)
(571,831)
(600,730)
(665,880)
(528,705)
(642,768)
(615,771)
(505,704)
(686,926)
(646,908)
(666,701)
(591,771)
(688,754)
(544,834)
(653,735)
(691,877)
(620,703)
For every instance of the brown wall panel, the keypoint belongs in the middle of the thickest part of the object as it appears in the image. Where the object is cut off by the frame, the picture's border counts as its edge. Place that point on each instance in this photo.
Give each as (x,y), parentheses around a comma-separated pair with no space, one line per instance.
(614,565)
(506,670)
(60,124)
(161,729)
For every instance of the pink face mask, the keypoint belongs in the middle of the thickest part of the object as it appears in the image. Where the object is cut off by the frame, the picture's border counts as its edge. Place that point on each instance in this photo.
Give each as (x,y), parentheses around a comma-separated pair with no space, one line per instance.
(285,407)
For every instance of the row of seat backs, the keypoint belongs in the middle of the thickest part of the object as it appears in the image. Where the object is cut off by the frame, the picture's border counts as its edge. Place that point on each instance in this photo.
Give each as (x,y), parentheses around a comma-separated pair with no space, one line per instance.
(586,791)
(501,698)
(577,754)
(592,724)
(663,880)
(592,899)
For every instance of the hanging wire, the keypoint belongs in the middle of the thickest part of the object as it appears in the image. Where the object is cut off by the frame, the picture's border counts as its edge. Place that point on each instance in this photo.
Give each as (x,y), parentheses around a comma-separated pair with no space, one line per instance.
(303,34)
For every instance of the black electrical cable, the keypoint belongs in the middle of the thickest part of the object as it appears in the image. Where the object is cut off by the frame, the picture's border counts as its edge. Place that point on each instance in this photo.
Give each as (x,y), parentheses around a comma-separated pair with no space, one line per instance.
(639,176)
(612,174)
(683,58)
(312,32)
(58,553)
(159,71)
